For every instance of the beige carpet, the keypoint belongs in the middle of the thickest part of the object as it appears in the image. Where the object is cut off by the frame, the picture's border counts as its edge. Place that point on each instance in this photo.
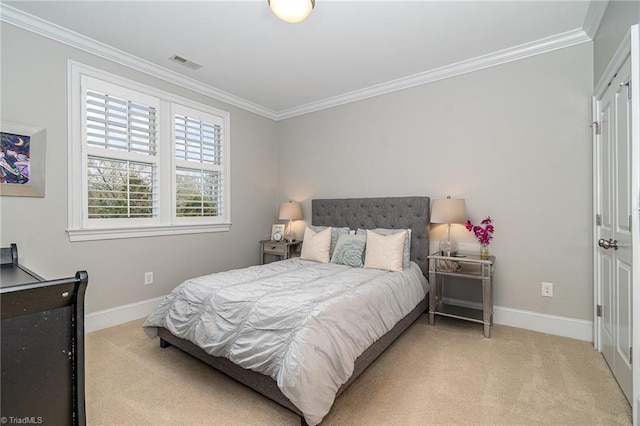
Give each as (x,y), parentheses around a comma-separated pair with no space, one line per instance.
(447,374)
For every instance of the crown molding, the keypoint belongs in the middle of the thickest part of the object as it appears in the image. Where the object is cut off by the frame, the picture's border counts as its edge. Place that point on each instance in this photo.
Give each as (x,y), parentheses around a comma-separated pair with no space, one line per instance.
(49,30)
(57,33)
(560,41)
(595,13)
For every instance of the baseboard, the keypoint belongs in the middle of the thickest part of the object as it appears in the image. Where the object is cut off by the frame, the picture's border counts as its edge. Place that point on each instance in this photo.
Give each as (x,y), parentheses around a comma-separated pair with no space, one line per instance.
(544,323)
(119,315)
(536,321)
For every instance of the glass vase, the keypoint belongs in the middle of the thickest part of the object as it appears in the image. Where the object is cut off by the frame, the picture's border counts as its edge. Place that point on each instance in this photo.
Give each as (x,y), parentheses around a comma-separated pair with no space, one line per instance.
(484,251)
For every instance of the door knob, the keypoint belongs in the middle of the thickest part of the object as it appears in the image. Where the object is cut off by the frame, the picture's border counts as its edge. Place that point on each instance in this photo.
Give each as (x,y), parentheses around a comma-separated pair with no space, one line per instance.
(608,244)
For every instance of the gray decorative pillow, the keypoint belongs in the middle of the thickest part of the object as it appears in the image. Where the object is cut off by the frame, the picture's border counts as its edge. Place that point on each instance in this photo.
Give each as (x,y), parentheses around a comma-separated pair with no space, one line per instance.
(349,250)
(406,252)
(335,233)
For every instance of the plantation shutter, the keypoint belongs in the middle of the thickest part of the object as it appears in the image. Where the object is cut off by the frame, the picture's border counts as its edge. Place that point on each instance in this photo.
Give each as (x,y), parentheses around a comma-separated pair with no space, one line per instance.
(143,161)
(122,161)
(199,153)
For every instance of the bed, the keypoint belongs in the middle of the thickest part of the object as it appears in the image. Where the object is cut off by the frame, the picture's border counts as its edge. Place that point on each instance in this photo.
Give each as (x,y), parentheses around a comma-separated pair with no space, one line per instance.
(197,334)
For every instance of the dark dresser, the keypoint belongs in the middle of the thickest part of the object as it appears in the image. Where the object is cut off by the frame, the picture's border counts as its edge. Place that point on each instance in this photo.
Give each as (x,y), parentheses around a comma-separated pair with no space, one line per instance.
(42,339)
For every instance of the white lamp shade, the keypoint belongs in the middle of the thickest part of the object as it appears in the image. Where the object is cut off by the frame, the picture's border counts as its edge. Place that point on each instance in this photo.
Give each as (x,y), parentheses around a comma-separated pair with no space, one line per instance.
(290,211)
(449,210)
(292,11)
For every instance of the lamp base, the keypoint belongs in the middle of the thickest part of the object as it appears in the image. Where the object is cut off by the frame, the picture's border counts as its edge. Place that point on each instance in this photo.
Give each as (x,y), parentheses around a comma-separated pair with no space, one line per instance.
(290,233)
(448,247)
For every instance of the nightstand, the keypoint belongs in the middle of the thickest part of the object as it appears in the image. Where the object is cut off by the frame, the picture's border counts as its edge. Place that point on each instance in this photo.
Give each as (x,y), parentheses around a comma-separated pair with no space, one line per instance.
(281,249)
(469,267)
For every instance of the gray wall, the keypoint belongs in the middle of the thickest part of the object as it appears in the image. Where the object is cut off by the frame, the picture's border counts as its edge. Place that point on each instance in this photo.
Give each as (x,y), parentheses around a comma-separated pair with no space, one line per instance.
(620,15)
(513,140)
(34,91)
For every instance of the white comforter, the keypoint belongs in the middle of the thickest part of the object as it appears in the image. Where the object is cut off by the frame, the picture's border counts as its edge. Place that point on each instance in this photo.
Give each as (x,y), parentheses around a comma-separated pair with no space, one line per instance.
(302,323)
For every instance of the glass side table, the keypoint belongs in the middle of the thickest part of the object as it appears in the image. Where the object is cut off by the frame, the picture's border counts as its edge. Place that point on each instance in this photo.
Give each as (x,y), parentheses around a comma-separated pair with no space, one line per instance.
(466,266)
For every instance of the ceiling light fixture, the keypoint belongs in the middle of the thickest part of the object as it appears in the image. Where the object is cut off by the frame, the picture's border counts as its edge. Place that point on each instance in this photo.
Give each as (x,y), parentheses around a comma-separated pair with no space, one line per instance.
(292,11)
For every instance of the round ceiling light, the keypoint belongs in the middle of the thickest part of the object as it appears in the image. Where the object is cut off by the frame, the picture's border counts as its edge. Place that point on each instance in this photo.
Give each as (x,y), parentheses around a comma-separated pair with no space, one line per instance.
(292,11)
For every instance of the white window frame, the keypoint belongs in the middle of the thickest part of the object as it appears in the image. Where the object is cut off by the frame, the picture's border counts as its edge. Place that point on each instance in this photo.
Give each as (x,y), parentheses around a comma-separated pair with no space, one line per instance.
(87,151)
(79,227)
(206,117)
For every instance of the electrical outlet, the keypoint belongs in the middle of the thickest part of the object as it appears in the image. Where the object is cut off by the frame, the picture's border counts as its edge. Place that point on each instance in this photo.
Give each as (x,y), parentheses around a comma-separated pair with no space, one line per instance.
(547,289)
(148,278)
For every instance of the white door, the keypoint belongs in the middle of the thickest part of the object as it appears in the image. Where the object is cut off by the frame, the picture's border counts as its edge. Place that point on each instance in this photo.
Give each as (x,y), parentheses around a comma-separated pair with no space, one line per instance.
(613,204)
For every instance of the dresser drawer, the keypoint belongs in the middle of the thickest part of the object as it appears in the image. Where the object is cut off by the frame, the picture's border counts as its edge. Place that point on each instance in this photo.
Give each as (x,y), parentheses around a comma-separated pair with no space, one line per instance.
(274,248)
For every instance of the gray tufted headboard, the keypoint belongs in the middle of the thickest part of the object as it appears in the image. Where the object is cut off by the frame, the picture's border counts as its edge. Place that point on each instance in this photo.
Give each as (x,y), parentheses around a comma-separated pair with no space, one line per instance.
(389,212)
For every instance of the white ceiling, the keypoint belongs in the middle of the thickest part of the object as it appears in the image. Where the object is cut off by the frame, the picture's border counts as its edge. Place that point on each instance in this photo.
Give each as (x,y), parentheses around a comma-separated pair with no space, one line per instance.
(343,51)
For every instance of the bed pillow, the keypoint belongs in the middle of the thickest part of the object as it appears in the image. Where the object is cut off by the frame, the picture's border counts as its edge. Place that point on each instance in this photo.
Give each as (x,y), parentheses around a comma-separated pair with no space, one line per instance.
(349,250)
(384,251)
(406,249)
(315,246)
(335,234)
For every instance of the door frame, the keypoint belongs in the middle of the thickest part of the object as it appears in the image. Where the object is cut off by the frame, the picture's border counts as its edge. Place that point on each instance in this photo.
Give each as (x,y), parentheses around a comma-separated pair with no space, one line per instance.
(630,46)
(635,215)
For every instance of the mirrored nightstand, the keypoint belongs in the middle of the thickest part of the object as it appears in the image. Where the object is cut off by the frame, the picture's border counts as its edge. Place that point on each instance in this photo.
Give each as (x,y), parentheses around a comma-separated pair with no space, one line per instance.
(469,267)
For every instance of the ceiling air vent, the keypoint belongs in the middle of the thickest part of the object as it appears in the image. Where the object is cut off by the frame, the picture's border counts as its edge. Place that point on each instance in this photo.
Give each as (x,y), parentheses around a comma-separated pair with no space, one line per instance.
(186,62)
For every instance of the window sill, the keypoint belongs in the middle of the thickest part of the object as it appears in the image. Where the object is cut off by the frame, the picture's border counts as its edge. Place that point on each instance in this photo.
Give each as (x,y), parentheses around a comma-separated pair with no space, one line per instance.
(147,231)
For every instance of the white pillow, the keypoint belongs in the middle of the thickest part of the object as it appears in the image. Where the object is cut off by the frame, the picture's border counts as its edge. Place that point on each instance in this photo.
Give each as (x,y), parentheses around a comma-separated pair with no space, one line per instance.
(384,251)
(316,245)
(335,234)
(406,252)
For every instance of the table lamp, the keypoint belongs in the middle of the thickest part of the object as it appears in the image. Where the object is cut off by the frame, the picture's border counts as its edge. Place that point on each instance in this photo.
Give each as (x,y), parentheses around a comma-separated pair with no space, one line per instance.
(449,210)
(290,211)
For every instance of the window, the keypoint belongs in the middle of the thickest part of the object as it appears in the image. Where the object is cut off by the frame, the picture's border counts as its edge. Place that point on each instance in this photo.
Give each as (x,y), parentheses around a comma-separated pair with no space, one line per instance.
(143,162)
(199,163)
(122,158)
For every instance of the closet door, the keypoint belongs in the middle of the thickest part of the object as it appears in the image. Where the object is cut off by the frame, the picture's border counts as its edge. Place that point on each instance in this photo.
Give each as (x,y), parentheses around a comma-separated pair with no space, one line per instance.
(614,238)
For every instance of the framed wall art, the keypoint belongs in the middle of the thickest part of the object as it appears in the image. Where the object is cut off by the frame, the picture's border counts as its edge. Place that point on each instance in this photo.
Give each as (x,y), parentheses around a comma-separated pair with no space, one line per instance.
(22,159)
